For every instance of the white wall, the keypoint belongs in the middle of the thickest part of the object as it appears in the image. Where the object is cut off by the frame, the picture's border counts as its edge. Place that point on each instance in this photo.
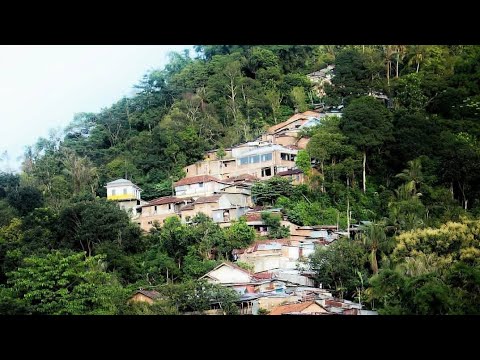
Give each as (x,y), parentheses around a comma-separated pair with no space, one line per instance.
(226,274)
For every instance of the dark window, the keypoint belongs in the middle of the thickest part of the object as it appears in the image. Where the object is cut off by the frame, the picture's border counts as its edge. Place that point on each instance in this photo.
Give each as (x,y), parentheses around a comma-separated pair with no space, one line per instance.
(169,206)
(266,172)
(200,185)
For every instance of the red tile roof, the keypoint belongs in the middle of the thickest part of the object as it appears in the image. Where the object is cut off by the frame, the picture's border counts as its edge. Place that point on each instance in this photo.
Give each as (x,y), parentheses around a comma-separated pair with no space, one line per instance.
(164,200)
(197,179)
(208,199)
(290,172)
(253,217)
(291,308)
(187,207)
(263,276)
(242,177)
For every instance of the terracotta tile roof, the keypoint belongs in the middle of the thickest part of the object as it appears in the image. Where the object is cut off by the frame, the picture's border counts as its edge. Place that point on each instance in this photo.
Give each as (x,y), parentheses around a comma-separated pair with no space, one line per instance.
(291,308)
(187,207)
(208,199)
(197,179)
(152,294)
(263,276)
(290,172)
(253,217)
(292,119)
(164,200)
(242,177)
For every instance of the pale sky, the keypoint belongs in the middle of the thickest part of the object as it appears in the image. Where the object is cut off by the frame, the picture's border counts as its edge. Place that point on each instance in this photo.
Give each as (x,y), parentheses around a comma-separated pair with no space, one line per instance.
(43,86)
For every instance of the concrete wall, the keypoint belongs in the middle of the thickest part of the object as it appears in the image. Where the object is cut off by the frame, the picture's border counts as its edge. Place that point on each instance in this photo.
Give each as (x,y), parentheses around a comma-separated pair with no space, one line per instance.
(146,222)
(195,190)
(226,275)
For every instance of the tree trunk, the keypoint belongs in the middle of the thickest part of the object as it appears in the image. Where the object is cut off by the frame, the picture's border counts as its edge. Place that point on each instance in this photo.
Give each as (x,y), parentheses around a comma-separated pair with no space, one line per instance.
(418,66)
(374,261)
(364,176)
(396,73)
(323,178)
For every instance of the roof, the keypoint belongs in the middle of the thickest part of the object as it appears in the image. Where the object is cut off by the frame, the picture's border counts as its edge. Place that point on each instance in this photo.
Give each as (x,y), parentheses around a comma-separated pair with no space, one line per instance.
(187,207)
(253,216)
(208,199)
(291,308)
(241,178)
(152,294)
(164,200)
(119,182)
(197,179)
(304,115)
(229,264)
(290,172)
(263,275)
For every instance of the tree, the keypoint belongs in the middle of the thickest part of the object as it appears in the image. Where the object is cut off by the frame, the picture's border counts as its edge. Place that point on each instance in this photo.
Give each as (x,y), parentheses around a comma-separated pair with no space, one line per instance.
(375,239)
(266,192)
(275,229)
(299,99)
(87,224)
(367,124)
(336,266)
(238,235)
(303,162)
(66,283)
(25,199)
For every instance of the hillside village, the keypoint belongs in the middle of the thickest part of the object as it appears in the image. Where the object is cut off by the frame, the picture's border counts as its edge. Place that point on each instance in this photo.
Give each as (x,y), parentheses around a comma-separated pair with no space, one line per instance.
(279,281)
(258,179)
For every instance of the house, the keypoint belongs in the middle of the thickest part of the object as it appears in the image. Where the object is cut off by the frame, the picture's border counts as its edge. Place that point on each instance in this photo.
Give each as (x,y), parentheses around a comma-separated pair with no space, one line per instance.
(241,280)
(258,159)
(296,176)
(126,194)
(197,186)
(222,207)
(148,296)
(159,209)
(293,123)
(309,307)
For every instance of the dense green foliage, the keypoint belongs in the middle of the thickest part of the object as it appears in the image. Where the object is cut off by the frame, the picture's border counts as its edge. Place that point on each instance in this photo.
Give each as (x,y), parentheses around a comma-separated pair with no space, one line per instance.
(408,160)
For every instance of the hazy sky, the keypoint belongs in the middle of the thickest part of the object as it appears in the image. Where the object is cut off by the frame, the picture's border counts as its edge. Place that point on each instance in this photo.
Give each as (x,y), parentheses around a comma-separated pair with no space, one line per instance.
(42,87)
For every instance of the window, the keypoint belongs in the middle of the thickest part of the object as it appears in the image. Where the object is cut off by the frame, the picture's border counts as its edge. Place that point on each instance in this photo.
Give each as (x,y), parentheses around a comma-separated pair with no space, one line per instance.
(287,157)
(266,172)
(254,159)
(244,161)
(200,185)
(169,206)
(266,157)
(113,192)
(155,210)
(124,191)
(187,169)
(225,164)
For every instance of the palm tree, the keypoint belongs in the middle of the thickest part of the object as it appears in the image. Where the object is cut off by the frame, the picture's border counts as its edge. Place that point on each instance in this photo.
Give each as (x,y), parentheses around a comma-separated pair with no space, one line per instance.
(412,174)
(418,55)
(374,238)
(400,52)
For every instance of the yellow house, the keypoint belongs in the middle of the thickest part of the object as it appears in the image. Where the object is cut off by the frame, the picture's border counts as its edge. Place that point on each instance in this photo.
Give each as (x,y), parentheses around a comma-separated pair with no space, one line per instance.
(126,193)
